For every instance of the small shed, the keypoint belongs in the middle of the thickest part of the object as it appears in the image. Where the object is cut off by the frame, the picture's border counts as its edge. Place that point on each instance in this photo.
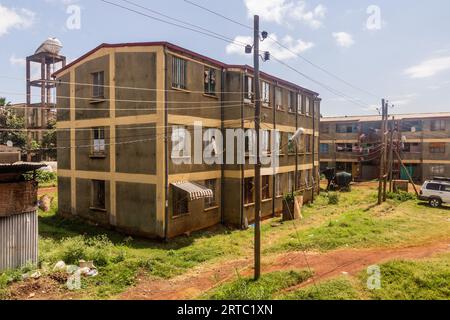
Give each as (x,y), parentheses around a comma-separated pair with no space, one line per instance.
(18,215)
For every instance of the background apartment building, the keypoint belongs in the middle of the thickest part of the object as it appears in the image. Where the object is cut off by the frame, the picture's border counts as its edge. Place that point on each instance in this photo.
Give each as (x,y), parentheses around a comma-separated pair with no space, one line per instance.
(116,159)
(353,144)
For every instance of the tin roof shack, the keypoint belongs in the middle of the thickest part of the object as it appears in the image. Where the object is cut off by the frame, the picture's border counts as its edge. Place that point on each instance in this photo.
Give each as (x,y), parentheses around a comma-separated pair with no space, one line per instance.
(18,215)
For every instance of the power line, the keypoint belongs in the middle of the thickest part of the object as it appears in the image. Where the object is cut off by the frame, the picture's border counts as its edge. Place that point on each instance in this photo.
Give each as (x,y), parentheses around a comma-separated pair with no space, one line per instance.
(286,48)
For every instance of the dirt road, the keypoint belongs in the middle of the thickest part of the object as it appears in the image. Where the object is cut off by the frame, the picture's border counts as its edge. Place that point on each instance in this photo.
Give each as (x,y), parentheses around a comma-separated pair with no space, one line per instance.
(327,265)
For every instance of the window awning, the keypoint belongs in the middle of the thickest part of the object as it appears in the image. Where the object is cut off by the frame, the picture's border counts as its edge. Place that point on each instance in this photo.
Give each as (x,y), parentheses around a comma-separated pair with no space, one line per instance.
(195,191)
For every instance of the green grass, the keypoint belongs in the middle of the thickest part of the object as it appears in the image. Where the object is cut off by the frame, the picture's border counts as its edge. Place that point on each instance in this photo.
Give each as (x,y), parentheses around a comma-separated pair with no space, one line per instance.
(400,280)
(413,280)
(394,223)
(336,289)
(263,289)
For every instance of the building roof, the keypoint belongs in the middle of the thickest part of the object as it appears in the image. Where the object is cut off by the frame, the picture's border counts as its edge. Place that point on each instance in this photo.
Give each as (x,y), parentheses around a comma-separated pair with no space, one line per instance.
(373,118)
(176,48)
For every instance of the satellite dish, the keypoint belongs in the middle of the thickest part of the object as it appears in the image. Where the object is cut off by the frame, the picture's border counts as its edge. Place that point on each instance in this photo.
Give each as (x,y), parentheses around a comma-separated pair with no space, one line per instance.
(9,143)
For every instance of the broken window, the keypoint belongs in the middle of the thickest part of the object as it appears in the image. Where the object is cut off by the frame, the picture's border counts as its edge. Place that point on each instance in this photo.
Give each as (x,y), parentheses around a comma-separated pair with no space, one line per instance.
(98,81)
(265,89)
(211,202)
(265,187)
(180,203)
(178,73)
(98,194)
(210,81)
(249,190)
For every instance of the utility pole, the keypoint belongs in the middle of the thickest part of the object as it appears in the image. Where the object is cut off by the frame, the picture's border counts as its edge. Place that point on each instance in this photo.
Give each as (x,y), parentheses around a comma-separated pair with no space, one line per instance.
(385,154)
(391,154)
(256,40)
(383,151)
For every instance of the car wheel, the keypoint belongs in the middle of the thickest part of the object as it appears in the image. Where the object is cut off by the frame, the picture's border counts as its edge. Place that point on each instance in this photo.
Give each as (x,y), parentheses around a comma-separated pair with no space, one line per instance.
(435,203)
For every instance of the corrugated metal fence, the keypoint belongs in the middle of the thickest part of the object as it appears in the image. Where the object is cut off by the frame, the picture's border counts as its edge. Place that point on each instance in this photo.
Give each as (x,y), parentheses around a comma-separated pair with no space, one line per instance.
(18,240)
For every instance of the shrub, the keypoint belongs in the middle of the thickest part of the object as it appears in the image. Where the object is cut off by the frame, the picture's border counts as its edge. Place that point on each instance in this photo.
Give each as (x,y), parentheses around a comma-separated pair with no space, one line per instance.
(401,196)
(333,198)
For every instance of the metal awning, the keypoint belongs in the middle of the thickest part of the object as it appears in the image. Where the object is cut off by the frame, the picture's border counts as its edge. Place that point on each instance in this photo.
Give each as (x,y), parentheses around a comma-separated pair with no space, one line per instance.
(194,190)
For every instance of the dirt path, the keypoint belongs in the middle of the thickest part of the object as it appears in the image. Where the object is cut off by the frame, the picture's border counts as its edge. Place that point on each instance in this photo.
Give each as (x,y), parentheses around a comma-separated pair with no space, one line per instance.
(193,284)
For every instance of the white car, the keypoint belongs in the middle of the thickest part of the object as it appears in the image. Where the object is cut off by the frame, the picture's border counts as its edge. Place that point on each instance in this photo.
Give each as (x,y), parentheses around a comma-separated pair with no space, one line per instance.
(436,192)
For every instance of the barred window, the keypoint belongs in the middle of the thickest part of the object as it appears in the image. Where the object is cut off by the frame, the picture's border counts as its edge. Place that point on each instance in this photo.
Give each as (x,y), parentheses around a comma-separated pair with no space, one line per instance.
(265,88)
(178,73)
(210,81)
(211,202)
(98,135)
(98,81)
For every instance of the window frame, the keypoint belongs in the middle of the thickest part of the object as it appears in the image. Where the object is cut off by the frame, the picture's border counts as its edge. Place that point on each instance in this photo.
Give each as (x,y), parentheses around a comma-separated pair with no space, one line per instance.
(210,81)
(211,202)
(265,188)
(440,127)
(179,73)
(279,106)
(265,93)
(98,85)
(249,193)
(98,141)
(437,147)
(98,202)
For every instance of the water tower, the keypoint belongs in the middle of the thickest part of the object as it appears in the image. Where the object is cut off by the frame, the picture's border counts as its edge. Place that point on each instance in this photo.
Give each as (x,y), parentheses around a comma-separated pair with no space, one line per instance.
(37,115)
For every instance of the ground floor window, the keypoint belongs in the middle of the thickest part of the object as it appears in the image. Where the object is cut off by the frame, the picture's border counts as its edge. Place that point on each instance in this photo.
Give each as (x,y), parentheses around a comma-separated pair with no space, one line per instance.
(180,203)
(291,179)
(211,202)
(98,194)
(438,170)
(249,188)
(266,187)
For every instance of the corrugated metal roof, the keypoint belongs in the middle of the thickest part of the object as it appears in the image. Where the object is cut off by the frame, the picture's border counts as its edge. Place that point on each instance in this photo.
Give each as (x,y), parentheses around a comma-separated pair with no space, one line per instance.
(371,118)
(20,167)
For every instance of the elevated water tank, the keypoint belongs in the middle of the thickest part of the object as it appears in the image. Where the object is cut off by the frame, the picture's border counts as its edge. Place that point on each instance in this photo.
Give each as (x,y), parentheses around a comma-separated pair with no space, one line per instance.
(51,45)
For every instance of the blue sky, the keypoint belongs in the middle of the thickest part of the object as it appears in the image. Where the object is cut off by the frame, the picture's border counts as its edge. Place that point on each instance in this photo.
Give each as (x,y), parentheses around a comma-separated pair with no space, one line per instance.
(403,54)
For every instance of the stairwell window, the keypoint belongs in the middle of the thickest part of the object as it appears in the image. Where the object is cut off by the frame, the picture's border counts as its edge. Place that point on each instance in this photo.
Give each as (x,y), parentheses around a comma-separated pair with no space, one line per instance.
(98,81)
(98,135)
(178,73)
(210,81)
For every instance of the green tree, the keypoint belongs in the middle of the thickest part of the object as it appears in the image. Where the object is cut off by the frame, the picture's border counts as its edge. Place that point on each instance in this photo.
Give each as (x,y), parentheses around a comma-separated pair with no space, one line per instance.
(49,140)
(10,120)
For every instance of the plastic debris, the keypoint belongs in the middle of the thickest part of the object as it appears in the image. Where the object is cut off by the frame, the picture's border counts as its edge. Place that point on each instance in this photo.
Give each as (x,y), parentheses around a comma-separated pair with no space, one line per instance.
(36,275)
(60,266)
(92,273)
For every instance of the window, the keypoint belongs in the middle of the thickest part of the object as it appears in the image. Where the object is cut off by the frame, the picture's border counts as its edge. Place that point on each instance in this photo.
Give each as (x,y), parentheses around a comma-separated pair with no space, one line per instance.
(99,140)
(278,191)
(316,109)
(248,191)
(308,143)
(278,98)
(438,170)
(411,126)
(291,144)
(291,102)
(178,73)
(324,148)
(279,141)
(344,147)
(210,81)
(250,138)
(445,188)
(300,180)
(210,141)
(248,89)
(265,96)
(98,194)
(438,125)
(211,202)
(299,104)
(308,178)
(433,186)
(265,187)
(411,147)
(180,203)
(308,106)
(324,128)
(265,143)
(291,177)
(345,128)
(98,81)
(437,147)
(181,144)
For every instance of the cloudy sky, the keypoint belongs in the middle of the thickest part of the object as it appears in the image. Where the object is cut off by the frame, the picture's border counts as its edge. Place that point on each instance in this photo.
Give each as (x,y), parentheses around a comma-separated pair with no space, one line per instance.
(354,52)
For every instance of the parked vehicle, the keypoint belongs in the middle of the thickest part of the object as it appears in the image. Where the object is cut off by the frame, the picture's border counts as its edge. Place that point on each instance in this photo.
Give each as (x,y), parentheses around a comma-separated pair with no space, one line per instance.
(436,191)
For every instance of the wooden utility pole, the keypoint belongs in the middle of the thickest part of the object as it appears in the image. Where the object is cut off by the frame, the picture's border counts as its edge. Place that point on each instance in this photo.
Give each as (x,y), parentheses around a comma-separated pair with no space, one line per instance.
(256,40)
(385,154)
(383,151)
(391,154)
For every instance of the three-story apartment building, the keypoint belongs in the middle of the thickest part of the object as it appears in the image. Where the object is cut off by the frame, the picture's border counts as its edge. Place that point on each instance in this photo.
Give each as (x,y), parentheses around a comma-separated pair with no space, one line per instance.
(119,132)
(353,144)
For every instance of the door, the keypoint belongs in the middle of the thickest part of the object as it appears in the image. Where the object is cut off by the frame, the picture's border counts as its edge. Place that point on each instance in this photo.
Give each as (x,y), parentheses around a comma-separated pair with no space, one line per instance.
(404,173)
(445,193)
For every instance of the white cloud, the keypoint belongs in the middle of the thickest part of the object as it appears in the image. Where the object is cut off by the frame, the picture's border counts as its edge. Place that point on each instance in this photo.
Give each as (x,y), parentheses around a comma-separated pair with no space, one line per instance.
(21,63)
(285,12)
(343,39)
(428,68)
(403,100)
(294,46)
(15,19)
(15,61)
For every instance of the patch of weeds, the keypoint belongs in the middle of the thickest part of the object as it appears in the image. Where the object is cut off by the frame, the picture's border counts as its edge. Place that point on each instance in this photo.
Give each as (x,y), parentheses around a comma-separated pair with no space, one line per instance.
(333,198)
(400,196)
(263,289)
(336,289)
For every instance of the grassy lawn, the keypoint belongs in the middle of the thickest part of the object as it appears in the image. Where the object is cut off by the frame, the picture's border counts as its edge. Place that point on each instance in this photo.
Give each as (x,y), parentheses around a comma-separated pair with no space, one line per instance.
(353,222)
